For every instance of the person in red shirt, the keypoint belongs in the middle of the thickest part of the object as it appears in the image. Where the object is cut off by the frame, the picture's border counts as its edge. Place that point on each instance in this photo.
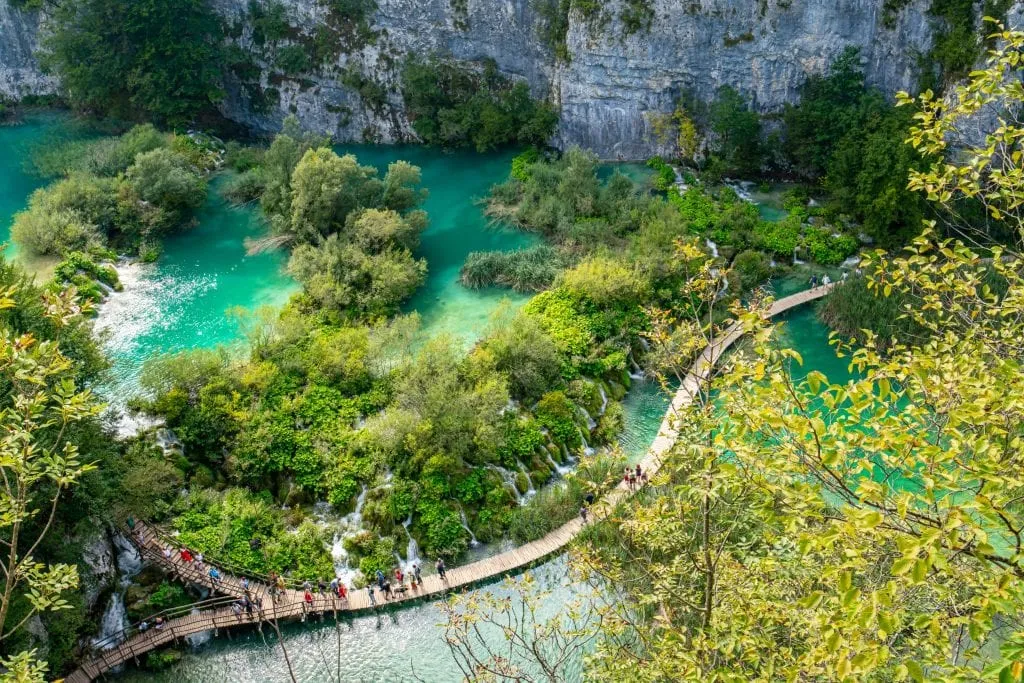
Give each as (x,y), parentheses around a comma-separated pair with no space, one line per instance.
(186,555)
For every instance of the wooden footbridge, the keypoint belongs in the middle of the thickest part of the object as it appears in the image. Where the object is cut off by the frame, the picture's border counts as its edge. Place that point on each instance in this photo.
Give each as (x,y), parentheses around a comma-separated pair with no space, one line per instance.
(224,614)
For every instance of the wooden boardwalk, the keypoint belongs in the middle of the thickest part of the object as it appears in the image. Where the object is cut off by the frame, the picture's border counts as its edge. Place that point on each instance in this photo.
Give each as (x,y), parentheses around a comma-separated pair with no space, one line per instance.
(291,605)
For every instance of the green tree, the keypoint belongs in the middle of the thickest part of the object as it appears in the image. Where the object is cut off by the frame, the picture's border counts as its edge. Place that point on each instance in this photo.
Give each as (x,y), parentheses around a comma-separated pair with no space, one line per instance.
(39,463)
(158,59)
(862,530)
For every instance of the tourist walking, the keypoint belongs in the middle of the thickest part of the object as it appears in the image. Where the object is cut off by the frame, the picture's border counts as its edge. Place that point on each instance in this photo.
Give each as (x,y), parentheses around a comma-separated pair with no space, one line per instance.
(214,576)
(321,587)
(199,562)
(369,591)
(334,586)
(244,583)
(307,600)
(417,572)
(342,591)
(280,585)
(583,513)
(399,576)
(814,282)
(236,609)
(826,280)
(186,556)
(387,590)
(441,569)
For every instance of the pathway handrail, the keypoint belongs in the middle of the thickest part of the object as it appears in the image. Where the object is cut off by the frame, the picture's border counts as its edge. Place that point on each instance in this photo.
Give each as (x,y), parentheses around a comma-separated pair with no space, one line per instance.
(170,613)
(174,543)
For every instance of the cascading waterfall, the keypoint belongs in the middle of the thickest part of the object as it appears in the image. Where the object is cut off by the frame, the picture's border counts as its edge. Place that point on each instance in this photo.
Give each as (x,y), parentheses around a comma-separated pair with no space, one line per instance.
(591,423)
(530,492)
(586,446)
(115,617)
(712,247)
(510,481)
(114,622)
(561,469)
(412,550)
(604,399)
(796,259)
(465,525)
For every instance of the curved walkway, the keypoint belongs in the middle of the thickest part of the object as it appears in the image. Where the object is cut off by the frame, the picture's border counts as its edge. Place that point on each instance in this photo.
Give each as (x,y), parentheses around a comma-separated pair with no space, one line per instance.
(290,605)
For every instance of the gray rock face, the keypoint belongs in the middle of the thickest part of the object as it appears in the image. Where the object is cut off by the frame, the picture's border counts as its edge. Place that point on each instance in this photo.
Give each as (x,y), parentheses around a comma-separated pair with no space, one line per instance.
(607,90)
(98,570)
(19,70)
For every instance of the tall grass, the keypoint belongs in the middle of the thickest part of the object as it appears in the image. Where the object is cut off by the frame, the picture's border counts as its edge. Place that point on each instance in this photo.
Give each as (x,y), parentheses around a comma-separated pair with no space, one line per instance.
(524,270)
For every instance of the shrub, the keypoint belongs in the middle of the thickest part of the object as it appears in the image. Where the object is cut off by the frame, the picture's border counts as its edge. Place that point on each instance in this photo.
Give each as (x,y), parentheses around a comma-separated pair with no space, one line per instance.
(779,237)
(664,174)
(753,267)
(828,248)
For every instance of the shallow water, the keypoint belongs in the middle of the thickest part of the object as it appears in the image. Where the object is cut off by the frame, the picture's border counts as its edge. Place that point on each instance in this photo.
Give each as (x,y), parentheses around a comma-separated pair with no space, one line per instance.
(456,181)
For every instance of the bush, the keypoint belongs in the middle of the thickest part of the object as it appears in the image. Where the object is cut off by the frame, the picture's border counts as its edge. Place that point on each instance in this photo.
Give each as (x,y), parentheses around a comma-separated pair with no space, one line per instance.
(753,267)
(453,105)
(779,237)
(521,163)
(664,174)
(852,308)
(828,248)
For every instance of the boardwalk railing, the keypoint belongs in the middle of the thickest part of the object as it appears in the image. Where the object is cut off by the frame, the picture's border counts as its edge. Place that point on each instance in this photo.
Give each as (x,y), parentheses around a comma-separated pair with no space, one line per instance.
(291,603)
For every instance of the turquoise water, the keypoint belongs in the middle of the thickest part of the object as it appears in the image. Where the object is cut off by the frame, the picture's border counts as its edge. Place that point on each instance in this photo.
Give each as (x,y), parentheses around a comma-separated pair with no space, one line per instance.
(180,302)
(456,181)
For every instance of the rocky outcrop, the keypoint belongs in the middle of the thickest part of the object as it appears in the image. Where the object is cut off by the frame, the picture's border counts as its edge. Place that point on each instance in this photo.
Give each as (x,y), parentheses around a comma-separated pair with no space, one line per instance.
(20,74)
(607,88)
(98,570)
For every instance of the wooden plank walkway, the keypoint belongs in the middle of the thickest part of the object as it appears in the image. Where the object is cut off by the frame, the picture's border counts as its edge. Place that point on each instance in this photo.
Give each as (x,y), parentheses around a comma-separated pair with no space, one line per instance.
(291,605)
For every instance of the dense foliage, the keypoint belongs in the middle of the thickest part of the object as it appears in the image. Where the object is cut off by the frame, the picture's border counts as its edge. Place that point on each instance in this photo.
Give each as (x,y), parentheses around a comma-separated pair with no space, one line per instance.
(123,192)
(848,137)
(453,105)
(156,59)
(862,530)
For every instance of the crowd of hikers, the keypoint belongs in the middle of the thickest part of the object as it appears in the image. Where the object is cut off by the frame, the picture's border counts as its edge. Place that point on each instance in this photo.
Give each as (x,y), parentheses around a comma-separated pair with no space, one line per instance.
(250,603)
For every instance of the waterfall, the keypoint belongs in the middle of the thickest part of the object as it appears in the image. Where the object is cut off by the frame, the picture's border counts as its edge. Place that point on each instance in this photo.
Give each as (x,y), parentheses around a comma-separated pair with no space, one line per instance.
(510,481)
(532,491)
(473,543)
(591,423)
(196,640)
(115,621)
(412,550)
(587,450)
(712,247)
(851,262)
(796,259)
(354,519)
(604,399)
(561,469)
(129,562)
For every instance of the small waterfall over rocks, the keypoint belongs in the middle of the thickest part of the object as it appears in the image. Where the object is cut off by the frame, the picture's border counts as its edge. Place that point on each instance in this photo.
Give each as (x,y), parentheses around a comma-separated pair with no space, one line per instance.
(115,616)
(412,550)
(530,492)
(712,247)
(510,481)
(473,543)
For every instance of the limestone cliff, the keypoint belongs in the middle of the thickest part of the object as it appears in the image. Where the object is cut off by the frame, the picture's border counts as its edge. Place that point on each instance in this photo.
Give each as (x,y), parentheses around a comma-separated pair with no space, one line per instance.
(19,69)
(606,82)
